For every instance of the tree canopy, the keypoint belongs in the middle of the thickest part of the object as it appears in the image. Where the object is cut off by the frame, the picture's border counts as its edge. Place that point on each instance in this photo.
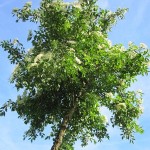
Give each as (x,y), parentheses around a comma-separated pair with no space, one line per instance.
(71,71)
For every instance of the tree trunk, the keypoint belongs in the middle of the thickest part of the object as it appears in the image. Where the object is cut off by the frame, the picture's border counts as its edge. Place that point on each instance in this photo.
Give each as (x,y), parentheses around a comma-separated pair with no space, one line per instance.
(58,140)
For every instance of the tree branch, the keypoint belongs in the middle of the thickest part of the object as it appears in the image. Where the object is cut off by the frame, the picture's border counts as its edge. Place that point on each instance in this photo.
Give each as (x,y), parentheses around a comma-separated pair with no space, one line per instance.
(58,140)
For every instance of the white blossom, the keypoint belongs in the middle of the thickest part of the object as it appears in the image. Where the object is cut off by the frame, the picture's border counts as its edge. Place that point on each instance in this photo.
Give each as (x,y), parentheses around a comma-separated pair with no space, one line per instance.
(78,60)
(143,45)
(77,5)
(122,48)
(72,49)
(103,45)
(121,106)
(33,65)
(140,101)
(141,108)
(109,43)
(132,54)
(99,33)
(38,57)
(130,43)
(122,82)
(15,41)
(109,13)
(71,42)
(109,95)
(99,46)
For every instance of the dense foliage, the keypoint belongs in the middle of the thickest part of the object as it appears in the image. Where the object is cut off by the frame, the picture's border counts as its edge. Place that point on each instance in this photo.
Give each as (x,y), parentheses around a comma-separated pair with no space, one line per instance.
(72,70)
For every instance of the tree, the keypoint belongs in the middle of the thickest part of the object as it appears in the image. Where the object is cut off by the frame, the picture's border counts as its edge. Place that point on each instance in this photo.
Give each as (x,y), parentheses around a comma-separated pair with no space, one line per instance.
(71,71)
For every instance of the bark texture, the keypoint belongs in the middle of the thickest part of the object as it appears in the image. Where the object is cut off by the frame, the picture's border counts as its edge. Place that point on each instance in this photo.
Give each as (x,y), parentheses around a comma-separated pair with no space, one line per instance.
(58,140)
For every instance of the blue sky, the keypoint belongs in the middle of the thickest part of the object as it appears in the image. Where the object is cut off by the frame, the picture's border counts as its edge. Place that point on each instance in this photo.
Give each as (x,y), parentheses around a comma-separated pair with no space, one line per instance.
(135,27)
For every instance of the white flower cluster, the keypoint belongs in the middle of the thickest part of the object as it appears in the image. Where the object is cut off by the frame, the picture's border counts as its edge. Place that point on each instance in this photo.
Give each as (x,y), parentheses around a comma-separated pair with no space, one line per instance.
(120,106)
(130,43)
(109,43)
(109,95)
(15,41)
(72,50)
(140,101)
(33,65)
(122,49)
(38,57)
(99,46)
(78,60)
(99,33)
(143,46)
(71,42)
(122,82)
(77,5)
(109,13)
(132,54)
(141,108)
